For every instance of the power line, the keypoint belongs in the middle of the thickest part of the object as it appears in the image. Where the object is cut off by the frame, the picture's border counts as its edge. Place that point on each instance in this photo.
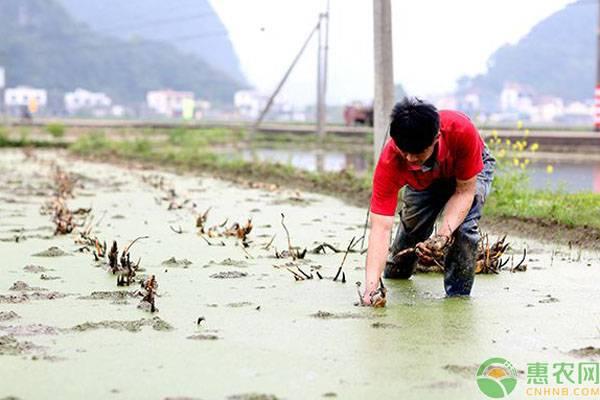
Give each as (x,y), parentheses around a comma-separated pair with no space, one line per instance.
(153,23)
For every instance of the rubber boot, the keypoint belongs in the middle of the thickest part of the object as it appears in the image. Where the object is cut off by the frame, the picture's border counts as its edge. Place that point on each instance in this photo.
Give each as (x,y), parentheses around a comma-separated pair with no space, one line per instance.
(400,267)
(459,271)
(404,266)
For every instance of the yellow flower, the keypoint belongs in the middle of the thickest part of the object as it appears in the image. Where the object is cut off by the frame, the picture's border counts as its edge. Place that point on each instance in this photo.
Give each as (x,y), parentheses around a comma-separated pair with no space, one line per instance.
(527,161)
(526,133)
(495,133)
(522,165)
(508,142)
(549,169)
(516,161)
(519,124)
(534,147)
(501,153)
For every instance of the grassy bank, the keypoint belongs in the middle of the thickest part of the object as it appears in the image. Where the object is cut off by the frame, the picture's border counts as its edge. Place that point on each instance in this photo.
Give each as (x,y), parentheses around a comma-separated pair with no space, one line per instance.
(183,151)
(511,197)
(23,139)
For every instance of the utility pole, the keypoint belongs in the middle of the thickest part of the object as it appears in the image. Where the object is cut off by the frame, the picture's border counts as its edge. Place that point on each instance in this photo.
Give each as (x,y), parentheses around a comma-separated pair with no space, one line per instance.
(280,85)
(384,72)
(597,91)
(322,72)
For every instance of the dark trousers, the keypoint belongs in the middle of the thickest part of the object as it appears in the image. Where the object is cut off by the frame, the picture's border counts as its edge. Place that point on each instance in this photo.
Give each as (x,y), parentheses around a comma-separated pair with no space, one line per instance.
(417,218)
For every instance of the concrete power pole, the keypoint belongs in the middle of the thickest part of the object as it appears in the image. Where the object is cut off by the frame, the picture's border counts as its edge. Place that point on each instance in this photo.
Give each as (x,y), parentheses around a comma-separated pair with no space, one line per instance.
(322,72)
(597,91)
(384,72)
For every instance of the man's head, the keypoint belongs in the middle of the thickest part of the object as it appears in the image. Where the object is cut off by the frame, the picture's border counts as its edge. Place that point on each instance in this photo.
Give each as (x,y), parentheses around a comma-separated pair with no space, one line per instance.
(414,128)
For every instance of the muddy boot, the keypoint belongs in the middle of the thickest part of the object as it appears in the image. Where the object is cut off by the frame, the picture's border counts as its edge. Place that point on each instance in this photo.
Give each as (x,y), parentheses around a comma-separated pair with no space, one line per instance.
(404,266)
(460,264)
(401,267)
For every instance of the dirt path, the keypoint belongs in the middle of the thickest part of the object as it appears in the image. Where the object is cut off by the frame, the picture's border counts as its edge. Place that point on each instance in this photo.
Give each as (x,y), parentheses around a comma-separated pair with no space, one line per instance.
(63,320)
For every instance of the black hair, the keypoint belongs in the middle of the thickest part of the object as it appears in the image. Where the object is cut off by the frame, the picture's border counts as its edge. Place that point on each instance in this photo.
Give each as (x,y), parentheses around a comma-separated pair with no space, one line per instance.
(414,125)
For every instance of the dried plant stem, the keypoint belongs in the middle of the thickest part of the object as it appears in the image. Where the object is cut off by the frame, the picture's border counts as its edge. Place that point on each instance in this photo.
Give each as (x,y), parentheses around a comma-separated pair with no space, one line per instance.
(344,259)
(287,233)
(131,244)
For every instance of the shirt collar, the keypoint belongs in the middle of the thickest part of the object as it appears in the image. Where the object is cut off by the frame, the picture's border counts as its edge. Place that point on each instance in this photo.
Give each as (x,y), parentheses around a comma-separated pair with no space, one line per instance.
(432,162)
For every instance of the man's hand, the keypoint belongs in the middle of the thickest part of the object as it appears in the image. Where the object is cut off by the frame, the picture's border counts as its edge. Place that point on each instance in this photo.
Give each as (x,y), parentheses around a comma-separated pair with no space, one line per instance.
(432,249)
(379,238)
(366,299)
(374,297)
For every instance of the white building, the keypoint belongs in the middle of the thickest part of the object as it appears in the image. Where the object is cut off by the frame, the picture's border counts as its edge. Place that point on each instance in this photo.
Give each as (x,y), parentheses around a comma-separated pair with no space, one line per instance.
(25,96)
(201,108)
(547,109)
(83,100)
(516,98)
(444,101)
(580,108)
(579,112)
(249,103)
(168,102)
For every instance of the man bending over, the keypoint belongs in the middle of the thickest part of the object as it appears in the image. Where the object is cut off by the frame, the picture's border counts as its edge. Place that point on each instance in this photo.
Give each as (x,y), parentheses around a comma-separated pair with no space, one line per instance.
(442,163)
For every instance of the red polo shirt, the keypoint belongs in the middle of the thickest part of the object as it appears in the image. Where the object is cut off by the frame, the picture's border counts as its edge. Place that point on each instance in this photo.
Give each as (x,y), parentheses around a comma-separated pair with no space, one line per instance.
(459,155)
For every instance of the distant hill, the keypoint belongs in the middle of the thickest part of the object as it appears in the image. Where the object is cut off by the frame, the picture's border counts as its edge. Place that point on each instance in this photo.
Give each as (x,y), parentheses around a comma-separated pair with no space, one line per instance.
(557,57)
(43,46)
(190,25)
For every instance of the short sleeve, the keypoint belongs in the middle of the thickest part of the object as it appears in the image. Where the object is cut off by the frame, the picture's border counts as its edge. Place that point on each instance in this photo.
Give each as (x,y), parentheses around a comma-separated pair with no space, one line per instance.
(386,185)
(469,160)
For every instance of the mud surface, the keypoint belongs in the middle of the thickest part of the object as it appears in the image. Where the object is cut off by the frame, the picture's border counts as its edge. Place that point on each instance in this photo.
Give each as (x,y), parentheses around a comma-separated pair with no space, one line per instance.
(10,346)
(132,326)
(24,287)
(252,396)
(203,337)
(111,295)
(346,315)
(52,252)
(586,352)
(8,315)
(29,330)
(34,295)
(232,320)
(229,275)
(174,263)
(35,268)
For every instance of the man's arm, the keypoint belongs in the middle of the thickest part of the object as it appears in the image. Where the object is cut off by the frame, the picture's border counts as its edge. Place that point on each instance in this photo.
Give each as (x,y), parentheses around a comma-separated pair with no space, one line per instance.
(455,211)
(458,206)
(379,241)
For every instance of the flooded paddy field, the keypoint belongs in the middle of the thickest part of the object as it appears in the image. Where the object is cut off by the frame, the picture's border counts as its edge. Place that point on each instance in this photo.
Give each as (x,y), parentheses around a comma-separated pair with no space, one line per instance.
(232,321)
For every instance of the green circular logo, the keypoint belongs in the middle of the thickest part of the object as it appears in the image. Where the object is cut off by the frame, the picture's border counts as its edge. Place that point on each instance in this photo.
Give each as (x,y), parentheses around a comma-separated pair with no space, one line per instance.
(496,378)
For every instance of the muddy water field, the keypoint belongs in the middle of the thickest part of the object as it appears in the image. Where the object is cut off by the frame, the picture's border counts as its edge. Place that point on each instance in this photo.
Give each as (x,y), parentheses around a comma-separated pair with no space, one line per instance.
(217,299)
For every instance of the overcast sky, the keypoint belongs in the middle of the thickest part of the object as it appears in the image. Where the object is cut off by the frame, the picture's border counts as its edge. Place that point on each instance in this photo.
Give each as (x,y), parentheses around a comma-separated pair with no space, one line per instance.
(435,41)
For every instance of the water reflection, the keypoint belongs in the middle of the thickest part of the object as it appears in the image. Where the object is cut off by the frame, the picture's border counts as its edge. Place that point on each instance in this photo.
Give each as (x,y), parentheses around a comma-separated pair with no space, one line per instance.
(569,176)
(311,160)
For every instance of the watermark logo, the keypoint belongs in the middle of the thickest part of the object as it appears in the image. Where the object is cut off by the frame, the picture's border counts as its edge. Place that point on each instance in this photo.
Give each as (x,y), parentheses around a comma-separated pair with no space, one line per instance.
(496,378)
